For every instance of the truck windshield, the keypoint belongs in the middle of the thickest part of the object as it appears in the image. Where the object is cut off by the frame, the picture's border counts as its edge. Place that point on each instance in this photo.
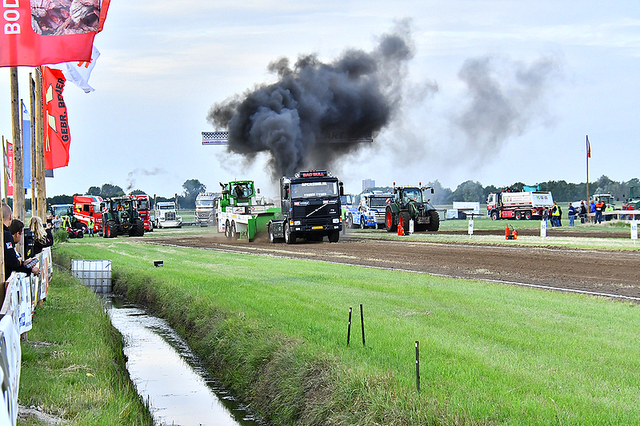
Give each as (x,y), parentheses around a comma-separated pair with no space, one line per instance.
(143,205)
(314,189)
(165,206)
(377,202)
(204,203)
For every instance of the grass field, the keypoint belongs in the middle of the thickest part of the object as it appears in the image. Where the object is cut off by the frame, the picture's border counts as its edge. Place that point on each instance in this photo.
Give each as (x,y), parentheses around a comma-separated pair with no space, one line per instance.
(275,330)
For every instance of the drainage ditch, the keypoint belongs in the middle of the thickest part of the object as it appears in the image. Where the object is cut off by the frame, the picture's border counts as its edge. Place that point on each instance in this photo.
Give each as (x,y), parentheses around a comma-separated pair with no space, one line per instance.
(169,376)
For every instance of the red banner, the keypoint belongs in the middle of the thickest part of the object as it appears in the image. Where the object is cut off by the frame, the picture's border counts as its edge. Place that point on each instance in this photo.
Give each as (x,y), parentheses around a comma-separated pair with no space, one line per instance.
(54,116)
(41,32)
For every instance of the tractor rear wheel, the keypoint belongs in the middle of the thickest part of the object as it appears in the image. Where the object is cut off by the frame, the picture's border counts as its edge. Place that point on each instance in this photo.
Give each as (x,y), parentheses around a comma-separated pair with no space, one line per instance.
(434,222)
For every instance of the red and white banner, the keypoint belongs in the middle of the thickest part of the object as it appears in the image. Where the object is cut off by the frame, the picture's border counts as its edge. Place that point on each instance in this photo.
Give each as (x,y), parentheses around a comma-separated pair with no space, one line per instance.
(38,32)
(56,124)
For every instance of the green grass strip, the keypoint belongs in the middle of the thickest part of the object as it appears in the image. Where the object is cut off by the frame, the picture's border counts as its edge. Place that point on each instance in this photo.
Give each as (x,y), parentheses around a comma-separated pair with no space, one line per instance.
(274,330)
(73,366)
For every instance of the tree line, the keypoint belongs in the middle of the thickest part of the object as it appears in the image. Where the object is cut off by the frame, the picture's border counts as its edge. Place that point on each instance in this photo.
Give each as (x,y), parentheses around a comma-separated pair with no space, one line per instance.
(186,200)
(562,190)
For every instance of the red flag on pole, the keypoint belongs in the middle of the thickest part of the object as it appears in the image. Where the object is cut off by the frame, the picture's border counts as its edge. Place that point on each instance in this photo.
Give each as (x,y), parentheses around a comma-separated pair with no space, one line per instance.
(588,148)
(46,32)
(56,124)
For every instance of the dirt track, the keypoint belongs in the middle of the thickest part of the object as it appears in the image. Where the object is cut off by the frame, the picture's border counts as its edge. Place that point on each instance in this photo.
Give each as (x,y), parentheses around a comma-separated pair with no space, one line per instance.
(607,272)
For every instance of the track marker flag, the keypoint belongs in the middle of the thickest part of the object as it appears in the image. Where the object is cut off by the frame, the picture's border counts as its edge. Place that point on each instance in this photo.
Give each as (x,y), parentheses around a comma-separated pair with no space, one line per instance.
(34,33)
(56,123)
(588,148)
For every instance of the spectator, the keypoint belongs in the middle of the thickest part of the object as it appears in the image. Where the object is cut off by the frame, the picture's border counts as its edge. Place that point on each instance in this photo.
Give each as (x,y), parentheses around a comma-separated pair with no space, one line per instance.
(91,226)
(57,223)
(599,208)
(42,236)
(572,214)
(12,263)
(583,212)
(555,214)
(545,215)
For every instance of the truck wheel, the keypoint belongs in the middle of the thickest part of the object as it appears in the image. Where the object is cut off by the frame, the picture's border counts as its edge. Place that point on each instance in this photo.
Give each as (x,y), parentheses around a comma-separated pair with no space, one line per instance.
(350,221)
(434,223)
(227,229)
(233,234)
(334,236)
(272,238)
(289,237)
(528,215)
(390,221)
(494,215)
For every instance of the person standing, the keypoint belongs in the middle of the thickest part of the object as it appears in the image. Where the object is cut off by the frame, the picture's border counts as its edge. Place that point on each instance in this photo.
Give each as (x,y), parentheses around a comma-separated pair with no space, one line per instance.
(555,214)
(42,237)
(12,263)
(572,214)
(599,207)
(90,227)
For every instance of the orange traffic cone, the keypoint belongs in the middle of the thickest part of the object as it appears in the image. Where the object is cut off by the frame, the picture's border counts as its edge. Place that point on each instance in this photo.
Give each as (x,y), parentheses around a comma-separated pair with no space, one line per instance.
(506,233)
(400,227)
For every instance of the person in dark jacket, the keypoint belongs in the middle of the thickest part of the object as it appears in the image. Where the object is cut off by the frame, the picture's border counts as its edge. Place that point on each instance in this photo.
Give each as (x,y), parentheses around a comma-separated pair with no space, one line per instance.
(42,237)
(12,262)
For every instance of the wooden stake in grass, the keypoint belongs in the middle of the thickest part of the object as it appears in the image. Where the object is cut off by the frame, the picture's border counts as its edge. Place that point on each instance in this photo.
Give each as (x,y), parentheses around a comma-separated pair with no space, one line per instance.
(362,322)
(349,326)
(418,365)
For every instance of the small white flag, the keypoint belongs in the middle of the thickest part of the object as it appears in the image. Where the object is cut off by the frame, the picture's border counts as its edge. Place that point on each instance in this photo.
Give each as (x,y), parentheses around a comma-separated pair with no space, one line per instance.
(79,72)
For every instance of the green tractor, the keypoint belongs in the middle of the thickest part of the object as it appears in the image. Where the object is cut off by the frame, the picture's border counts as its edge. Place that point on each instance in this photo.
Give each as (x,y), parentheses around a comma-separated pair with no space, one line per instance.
(121,218)
(633,202)
(411,203)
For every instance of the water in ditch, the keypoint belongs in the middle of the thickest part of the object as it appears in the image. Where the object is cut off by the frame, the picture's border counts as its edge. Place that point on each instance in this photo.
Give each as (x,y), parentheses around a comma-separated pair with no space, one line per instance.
(169,377)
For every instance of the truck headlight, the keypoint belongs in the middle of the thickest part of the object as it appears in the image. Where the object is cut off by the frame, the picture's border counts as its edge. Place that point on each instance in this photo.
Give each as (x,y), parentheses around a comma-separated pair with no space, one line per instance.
(336,220)
(296,223)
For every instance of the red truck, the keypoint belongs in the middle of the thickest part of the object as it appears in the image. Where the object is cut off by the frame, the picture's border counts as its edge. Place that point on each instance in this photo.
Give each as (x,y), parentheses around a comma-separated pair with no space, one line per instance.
(142,205)
(85,208)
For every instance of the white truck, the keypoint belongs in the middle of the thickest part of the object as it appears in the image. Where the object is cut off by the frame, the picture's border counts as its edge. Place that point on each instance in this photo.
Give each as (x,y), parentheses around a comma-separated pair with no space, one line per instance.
(518,205)
(370,211)
(165,215)
(205,208)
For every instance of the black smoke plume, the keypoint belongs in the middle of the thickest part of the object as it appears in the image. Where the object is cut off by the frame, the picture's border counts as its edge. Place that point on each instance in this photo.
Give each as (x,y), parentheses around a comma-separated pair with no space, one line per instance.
(356,95)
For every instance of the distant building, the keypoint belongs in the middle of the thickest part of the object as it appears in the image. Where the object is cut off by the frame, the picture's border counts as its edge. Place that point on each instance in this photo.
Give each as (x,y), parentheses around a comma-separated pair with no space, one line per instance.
(368,183)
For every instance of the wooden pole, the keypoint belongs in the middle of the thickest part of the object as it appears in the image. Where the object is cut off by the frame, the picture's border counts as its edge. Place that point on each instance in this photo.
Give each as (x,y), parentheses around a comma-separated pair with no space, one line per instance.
(588,155)
(40,181)
(18,183)
(32,103)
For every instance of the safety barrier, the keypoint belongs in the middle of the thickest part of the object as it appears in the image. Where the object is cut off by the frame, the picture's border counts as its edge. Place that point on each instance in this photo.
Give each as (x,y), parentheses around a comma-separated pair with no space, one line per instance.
(22,296)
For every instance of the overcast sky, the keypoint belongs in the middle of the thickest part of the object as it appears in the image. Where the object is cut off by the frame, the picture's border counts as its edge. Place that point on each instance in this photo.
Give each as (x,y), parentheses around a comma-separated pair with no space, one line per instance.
(496,91)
